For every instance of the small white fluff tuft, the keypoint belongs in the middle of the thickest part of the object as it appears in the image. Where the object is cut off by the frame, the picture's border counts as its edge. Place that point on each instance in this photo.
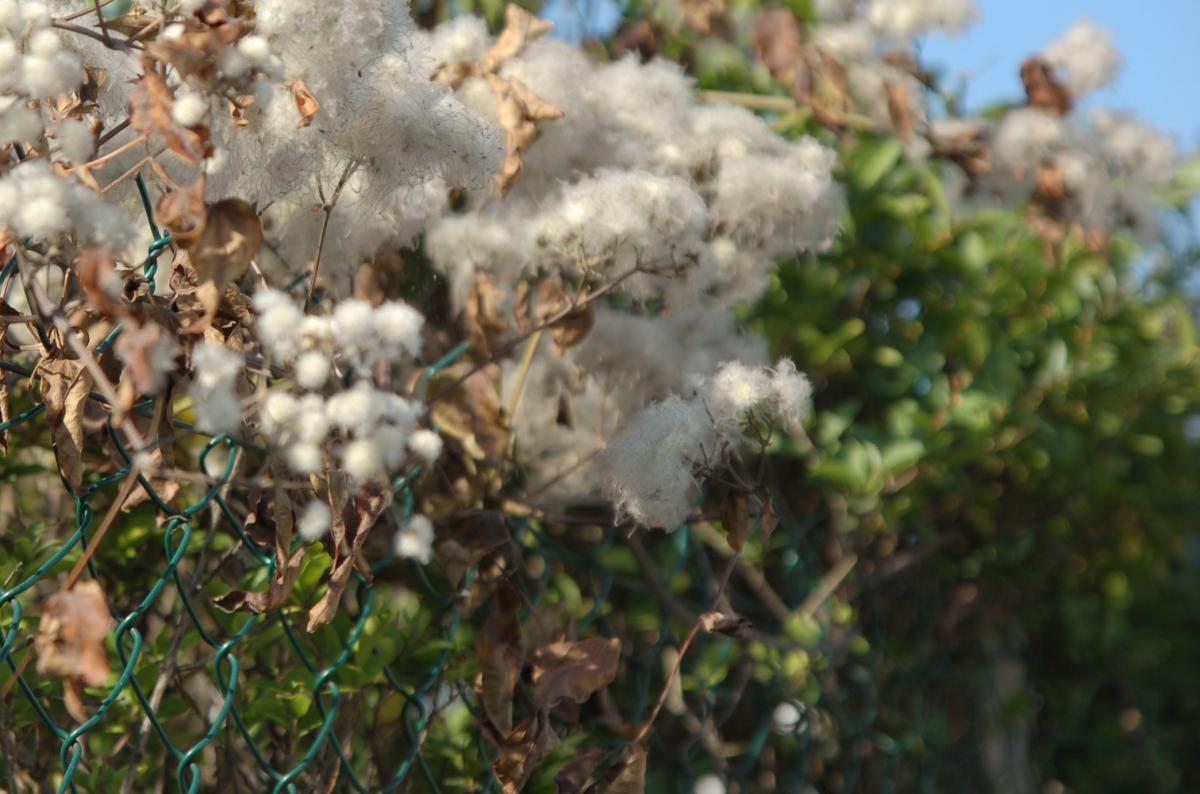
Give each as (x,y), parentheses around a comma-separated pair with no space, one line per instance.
(414,541)
(314,520)
(1086,56)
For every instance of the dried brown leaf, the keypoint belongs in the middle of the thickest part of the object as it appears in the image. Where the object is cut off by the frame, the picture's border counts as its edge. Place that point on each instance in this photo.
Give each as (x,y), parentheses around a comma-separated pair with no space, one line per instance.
(484,314)
(453,74)
(143,347)
(97,274)
(777,42)
(184,212)
(1042,88)
(530,741)
(574,670)
(899,104)
(574,776)
(632,778)
(735,516)
(274,515)
(544,625)
(65,384)
(469,537)
(70,638)
(572,328)
(770,519)
(520,28)
(359,517)
(306,103)
(150,104)
(517,110)
(470,414)
(231,237)
(199,47)
(501,658)
(720,623)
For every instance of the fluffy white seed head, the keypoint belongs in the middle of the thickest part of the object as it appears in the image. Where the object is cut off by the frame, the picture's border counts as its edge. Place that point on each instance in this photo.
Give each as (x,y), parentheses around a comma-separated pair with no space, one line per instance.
(314,520)
(414,541)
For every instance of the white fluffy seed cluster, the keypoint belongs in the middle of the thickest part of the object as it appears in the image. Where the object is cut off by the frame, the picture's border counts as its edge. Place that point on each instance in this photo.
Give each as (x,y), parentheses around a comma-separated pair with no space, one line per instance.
(698,200)
(414,540)
(33,62)
(1085,56)
(215,400)
(368,431)
(636,172)
(653,466)
(38,204)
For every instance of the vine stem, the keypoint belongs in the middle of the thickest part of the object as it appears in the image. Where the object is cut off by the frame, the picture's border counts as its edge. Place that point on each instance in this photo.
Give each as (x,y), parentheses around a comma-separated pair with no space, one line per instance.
(683,649)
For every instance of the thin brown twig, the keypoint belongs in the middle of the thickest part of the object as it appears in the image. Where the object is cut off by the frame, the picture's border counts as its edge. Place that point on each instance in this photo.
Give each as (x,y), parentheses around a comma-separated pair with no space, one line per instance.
(120,150)
(829,582)
(683,649)
(131,481)
(559,316)
(102,23)
(112,133)
(83,12)
(113,44)
(327,207)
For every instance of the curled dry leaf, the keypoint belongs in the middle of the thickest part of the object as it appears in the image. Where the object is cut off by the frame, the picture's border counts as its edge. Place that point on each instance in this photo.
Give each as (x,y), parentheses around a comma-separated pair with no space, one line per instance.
(530,741)
(770,519)
(501,658)
(183,212)
(720,623)
(470,414)
(574,776)
(1042,88)
(777,43)
(552,301)
(520,28)
(359,517)
(223,251)
(70,640)
(632,777)
(97,274)
(484,313)
(574,670)
(306,104)
(65,387)
(150,105)
(469,537)
(148,350)
(735,516)
(453,74)
(518,110)
(274,516)
(196,50)
(899,110)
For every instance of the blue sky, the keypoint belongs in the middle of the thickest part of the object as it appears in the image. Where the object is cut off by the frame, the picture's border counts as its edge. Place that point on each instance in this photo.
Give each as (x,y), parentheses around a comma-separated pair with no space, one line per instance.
(1158,39)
